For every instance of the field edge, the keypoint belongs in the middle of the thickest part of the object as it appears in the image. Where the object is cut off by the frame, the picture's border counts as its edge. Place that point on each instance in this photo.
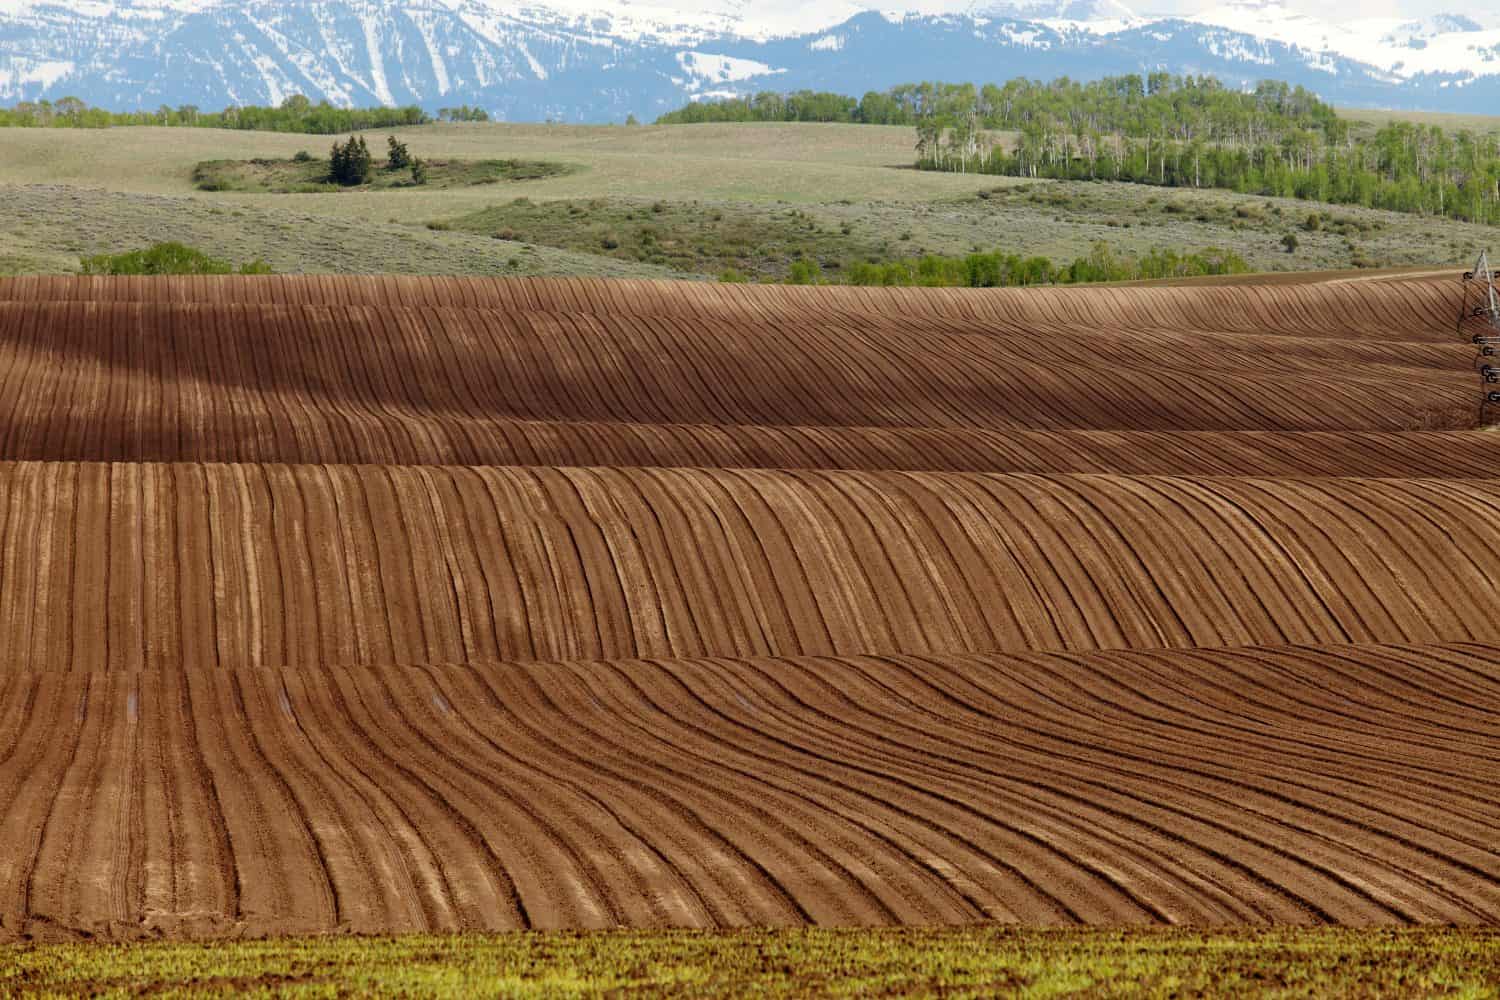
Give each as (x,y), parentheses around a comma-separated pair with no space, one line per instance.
(978,960)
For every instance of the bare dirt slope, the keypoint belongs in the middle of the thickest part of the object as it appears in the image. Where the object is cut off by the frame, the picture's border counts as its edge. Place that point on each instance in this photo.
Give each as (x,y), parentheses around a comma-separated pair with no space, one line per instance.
(395,604)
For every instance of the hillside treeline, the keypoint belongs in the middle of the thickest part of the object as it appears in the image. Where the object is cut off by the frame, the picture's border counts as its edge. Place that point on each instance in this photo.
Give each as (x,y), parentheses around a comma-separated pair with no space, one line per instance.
(1193,132)
(1404,167)
(1165,130)
(295,114)
(1132,105)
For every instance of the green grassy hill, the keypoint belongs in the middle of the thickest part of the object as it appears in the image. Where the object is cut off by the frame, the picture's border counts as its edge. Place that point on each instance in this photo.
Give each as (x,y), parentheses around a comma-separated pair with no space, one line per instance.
(685,200)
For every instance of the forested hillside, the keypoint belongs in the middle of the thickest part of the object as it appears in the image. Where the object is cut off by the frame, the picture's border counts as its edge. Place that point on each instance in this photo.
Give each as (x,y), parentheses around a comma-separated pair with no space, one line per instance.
(1132,104)
(1169,131)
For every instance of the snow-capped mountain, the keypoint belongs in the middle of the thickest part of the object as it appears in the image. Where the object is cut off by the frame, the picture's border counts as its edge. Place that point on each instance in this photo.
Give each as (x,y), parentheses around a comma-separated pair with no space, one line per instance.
(1451,44)
(598,60)
(1088,11)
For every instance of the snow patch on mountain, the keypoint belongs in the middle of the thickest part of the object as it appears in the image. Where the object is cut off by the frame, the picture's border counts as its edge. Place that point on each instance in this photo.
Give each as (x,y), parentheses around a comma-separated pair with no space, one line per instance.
(1275,21)
(676,25)
(1092,17)
(278,87)
(537,69)
(704,68)
(152,10)
(379,84)
(1441,24)
(1238,48)
(22,73)
(434,52)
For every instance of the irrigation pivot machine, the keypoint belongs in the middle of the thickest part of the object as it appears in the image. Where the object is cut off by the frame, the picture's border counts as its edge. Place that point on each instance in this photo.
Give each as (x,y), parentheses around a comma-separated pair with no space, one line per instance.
(1487,340)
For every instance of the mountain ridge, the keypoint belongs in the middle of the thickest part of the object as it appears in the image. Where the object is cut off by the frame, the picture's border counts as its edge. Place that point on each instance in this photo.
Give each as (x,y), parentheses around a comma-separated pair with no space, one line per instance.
(564,61)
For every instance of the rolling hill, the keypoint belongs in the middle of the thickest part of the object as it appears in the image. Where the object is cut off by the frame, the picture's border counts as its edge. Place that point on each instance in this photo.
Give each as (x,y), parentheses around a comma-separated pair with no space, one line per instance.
(394,604)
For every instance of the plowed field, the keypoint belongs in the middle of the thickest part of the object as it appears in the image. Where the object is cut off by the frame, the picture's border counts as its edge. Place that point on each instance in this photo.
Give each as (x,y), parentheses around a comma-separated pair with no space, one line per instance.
(433,604)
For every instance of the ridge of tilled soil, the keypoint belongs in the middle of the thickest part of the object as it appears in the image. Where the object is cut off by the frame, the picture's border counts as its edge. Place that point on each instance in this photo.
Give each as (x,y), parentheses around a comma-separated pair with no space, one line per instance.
(140,565)
(1351,784)
(1395,307)
(203,380)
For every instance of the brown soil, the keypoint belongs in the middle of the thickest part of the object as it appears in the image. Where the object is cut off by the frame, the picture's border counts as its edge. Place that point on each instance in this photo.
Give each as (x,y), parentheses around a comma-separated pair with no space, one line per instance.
(396,604)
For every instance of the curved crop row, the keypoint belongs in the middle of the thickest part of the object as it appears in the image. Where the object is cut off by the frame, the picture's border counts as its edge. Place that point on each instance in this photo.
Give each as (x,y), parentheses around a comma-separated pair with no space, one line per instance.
(92,382)
(1403,308)
(1438,455)
(1348,785)
(103,381)
(128,566)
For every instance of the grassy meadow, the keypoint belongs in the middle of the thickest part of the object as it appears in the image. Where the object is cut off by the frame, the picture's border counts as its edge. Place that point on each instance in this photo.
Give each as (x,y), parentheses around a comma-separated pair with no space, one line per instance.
(966,962)
(307,174)
(1368,120)
(47,229)
(644,201)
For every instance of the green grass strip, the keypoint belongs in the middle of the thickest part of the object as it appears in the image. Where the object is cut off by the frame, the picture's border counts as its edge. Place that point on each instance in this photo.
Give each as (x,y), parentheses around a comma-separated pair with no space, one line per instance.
(963,962)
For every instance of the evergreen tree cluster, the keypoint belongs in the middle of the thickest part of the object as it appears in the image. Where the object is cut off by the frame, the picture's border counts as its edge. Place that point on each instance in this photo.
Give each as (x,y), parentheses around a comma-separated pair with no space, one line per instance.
(350,163)
(399,157)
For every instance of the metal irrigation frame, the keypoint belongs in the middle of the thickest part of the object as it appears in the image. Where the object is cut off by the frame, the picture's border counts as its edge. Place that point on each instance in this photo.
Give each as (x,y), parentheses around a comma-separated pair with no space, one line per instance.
(1486,342)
